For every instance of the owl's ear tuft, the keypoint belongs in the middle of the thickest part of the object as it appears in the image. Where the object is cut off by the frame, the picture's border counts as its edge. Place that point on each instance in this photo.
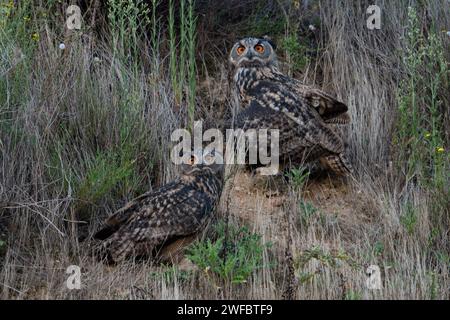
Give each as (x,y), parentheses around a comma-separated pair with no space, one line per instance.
(270,41)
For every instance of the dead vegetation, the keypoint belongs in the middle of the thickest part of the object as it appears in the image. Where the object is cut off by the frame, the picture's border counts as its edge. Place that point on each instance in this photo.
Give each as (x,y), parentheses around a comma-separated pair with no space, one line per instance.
(83,130)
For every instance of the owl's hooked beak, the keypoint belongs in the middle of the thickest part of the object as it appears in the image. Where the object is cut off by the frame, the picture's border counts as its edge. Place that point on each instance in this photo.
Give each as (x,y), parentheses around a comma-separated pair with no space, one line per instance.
(251,60)
(250,56)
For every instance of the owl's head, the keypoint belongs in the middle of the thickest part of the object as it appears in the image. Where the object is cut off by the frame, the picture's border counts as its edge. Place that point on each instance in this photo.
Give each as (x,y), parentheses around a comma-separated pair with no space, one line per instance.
(201,162)
(253,52)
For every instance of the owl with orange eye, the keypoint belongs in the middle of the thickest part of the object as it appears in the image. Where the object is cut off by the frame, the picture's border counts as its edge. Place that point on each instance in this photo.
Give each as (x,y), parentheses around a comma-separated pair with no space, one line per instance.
(305,116)
(160,223)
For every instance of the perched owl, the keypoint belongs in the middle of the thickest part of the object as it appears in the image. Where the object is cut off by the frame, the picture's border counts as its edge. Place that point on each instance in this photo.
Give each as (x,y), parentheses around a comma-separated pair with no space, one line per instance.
(272,100)
(175,211)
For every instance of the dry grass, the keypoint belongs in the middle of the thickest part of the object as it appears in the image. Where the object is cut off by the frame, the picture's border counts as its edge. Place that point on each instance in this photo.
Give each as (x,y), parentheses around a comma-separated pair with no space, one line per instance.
(80,136)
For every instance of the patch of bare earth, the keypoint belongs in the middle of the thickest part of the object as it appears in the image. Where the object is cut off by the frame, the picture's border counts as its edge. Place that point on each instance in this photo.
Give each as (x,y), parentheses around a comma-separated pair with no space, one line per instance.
(261,200)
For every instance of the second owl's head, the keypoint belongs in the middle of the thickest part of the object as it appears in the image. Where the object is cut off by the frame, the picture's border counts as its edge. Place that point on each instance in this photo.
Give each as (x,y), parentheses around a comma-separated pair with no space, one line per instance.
(201,162)
(253,52)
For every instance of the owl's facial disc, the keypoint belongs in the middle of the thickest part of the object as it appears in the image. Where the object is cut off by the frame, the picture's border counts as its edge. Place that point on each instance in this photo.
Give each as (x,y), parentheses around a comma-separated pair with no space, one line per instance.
(252,52)
(197,163)
(251,55)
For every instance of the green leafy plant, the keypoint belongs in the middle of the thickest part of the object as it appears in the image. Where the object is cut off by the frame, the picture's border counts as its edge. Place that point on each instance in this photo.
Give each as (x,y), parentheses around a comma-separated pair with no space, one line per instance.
(19,37)
(331,260)
(433,285)
(307,211)
(295,52)
(298,177)
(420,133)
(191,36)
(128,19)
(378,248)
(409,218)
(105,172)
(234,258)
(5,12)
(155,37)
(353,295)
(182,49)
(170,273)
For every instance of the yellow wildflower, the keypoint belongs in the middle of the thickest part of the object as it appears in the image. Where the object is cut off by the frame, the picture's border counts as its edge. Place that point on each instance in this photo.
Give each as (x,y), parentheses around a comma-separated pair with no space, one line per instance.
(35,36)
(427,135)
(440,149)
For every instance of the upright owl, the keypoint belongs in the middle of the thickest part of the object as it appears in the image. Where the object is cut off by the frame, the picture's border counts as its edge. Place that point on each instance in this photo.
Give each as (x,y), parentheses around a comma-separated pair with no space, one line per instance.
(175,211)
(272,100)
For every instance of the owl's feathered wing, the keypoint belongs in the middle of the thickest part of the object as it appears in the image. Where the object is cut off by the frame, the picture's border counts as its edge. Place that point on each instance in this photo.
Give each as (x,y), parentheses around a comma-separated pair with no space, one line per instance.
(329,109)
(154,218)
(310,125)
(310,109)
(332,112)
(123,215)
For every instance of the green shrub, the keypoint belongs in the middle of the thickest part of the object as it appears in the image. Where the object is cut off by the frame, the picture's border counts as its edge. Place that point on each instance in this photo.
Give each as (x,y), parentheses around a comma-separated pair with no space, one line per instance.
(307,211)
(332,260)
(182,52)
(353,295)
(264,22)
(298,177)
(234,258)
(420,134)
(128,20)
(296,52)
(104,173)
(409,218)
(171,273)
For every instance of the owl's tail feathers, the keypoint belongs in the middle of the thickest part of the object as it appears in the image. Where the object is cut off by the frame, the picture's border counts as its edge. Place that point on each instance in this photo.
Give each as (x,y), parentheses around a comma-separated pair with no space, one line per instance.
(338,163)
(343,118)
(113,250)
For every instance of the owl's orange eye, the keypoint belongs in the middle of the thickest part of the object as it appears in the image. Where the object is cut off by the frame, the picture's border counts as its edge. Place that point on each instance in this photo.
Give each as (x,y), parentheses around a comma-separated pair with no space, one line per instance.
(240,50)
(259,48)
(209,159)
(192,160)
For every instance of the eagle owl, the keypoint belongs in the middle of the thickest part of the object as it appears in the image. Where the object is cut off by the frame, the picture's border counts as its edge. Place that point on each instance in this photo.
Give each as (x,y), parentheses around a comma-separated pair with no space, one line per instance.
(272,100)
(175,211)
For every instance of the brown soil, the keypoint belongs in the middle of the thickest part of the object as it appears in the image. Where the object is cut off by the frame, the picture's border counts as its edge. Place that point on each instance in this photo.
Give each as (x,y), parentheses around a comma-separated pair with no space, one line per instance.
(256,197)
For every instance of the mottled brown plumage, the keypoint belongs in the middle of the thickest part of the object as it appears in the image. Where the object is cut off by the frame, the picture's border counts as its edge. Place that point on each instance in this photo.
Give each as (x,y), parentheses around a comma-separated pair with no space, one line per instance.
(178,209)
(272,100)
